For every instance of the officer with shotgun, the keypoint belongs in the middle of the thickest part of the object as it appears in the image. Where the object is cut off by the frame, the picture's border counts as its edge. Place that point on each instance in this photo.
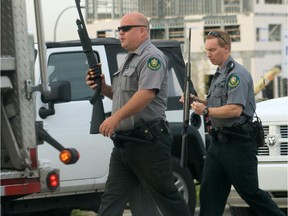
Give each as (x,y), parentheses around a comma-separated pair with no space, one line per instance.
(142,138)
(231,157)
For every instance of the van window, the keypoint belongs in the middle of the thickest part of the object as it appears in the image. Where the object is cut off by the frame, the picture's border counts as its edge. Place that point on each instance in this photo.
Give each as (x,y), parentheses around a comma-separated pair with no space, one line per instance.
(70,67)
(174,87)
(120,58)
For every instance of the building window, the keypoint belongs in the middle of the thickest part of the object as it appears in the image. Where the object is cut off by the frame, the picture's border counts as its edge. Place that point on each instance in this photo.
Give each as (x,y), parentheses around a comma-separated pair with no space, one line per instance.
(157,34)
(176,34)
(106,33)
(274,32)
(234,32)
(258,34)
(232,6)
(101,34)
(273,1)
(207,29)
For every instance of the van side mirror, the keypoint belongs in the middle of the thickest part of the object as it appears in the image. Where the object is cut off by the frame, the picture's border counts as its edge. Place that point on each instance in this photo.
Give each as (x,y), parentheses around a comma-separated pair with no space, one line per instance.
(60,92)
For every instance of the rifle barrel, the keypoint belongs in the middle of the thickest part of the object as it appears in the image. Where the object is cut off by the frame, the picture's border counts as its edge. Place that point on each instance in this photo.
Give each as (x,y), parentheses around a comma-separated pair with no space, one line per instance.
(186,108)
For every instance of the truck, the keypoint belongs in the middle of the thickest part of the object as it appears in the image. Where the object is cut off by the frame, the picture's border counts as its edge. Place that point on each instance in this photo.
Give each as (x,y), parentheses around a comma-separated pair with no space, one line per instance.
(22,172)
(85,181)
(65,114)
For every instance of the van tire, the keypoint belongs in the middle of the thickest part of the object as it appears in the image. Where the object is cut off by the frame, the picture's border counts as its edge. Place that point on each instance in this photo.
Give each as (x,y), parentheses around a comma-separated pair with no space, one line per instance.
(185,184)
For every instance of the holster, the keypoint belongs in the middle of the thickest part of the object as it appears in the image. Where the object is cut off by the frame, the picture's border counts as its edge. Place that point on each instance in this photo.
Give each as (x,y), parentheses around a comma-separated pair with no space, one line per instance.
(240,132)
(151,130)
(257,132)
(144,133)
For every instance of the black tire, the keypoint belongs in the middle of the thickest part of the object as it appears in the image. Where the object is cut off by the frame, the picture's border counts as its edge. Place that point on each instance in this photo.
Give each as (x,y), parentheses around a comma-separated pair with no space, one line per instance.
(241,211)
(185,183)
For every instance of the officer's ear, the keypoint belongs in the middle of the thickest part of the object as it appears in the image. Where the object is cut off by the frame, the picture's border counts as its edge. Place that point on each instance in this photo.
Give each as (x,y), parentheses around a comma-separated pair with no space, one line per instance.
(227,49)
(143,30)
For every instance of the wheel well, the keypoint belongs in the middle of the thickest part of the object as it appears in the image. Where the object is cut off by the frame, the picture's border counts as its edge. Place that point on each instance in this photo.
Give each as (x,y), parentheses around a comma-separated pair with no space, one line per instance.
(195,148)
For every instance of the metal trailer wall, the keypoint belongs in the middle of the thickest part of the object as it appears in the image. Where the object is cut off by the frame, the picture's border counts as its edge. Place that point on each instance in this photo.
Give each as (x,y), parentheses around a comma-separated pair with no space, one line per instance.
(18,131)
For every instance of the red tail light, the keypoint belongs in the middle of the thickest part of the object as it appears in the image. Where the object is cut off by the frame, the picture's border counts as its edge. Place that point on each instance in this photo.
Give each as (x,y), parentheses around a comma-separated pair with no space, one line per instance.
(69,156)
(53,180)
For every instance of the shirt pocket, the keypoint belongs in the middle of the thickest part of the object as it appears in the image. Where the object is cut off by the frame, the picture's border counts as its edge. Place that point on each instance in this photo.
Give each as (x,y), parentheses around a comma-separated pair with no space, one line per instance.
(115,81)
(129,81)
(219,95)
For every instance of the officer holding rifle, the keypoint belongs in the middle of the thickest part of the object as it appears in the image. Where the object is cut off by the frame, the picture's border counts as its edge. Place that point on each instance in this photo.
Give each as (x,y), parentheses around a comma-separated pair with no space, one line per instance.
(231,157)
(141,134)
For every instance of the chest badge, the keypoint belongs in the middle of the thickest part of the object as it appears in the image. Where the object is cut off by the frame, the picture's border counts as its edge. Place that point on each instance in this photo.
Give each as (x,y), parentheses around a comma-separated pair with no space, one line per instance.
(154,64)
(233,81)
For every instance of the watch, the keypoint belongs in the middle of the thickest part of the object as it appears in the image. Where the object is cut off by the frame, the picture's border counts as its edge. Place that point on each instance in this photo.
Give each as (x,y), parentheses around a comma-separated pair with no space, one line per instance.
(206,111)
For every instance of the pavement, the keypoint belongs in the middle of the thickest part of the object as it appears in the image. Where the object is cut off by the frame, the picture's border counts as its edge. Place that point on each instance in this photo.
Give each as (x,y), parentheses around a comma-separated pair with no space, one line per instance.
(128,213)
(197,210)
(226,212)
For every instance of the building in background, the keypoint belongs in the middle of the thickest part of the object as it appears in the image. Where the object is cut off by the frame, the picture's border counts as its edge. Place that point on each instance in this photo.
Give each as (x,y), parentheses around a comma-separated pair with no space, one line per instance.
(258,30)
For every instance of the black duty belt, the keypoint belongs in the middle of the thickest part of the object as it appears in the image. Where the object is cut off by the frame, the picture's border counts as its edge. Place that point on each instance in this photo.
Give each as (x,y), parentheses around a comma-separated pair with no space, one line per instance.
(241,132)
(144,133)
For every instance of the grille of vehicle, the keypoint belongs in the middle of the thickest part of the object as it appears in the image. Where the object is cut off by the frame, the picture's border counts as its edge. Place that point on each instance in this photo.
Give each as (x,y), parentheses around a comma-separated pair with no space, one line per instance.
(264,151)
(284,135)
(283,129)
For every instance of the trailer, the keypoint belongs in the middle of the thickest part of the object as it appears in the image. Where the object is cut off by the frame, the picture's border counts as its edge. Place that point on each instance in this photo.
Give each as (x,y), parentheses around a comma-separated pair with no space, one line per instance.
(22,173)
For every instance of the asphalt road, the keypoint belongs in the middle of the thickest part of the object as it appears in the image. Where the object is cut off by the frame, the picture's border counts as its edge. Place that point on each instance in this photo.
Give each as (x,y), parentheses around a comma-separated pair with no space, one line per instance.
(226,213)
(128,213)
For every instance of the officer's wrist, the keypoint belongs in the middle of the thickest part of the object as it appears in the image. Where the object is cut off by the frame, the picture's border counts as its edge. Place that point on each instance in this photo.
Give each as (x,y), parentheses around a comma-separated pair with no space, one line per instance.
(206,111)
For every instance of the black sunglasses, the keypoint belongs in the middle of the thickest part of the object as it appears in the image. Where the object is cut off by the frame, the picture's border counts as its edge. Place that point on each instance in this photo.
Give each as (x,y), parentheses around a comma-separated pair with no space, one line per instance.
(217,34)
(126,28)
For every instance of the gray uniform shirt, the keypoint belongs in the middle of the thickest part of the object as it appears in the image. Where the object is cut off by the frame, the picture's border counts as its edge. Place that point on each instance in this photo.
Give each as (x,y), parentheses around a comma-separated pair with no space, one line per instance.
(233,88)
(147,70)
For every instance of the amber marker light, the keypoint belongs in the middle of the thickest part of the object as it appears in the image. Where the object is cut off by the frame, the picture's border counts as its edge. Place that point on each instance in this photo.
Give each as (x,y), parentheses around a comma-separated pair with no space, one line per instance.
(69,156)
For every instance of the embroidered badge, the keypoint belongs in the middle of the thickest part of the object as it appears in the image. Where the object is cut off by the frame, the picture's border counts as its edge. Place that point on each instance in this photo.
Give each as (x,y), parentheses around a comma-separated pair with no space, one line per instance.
(154,63)
(233,80)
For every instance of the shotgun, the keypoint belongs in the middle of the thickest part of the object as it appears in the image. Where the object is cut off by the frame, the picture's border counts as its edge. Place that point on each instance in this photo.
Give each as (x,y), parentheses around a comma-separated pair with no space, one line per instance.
(186,108)
(98,115)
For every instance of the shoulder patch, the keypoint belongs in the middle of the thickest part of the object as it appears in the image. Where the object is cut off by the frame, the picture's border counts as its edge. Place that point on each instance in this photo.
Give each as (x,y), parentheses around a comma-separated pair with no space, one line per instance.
(154,63)
(233,80)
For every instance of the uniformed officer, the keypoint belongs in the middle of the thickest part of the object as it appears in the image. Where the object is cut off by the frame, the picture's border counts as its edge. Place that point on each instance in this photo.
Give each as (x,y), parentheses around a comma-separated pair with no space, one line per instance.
(141,135)
(231,158)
